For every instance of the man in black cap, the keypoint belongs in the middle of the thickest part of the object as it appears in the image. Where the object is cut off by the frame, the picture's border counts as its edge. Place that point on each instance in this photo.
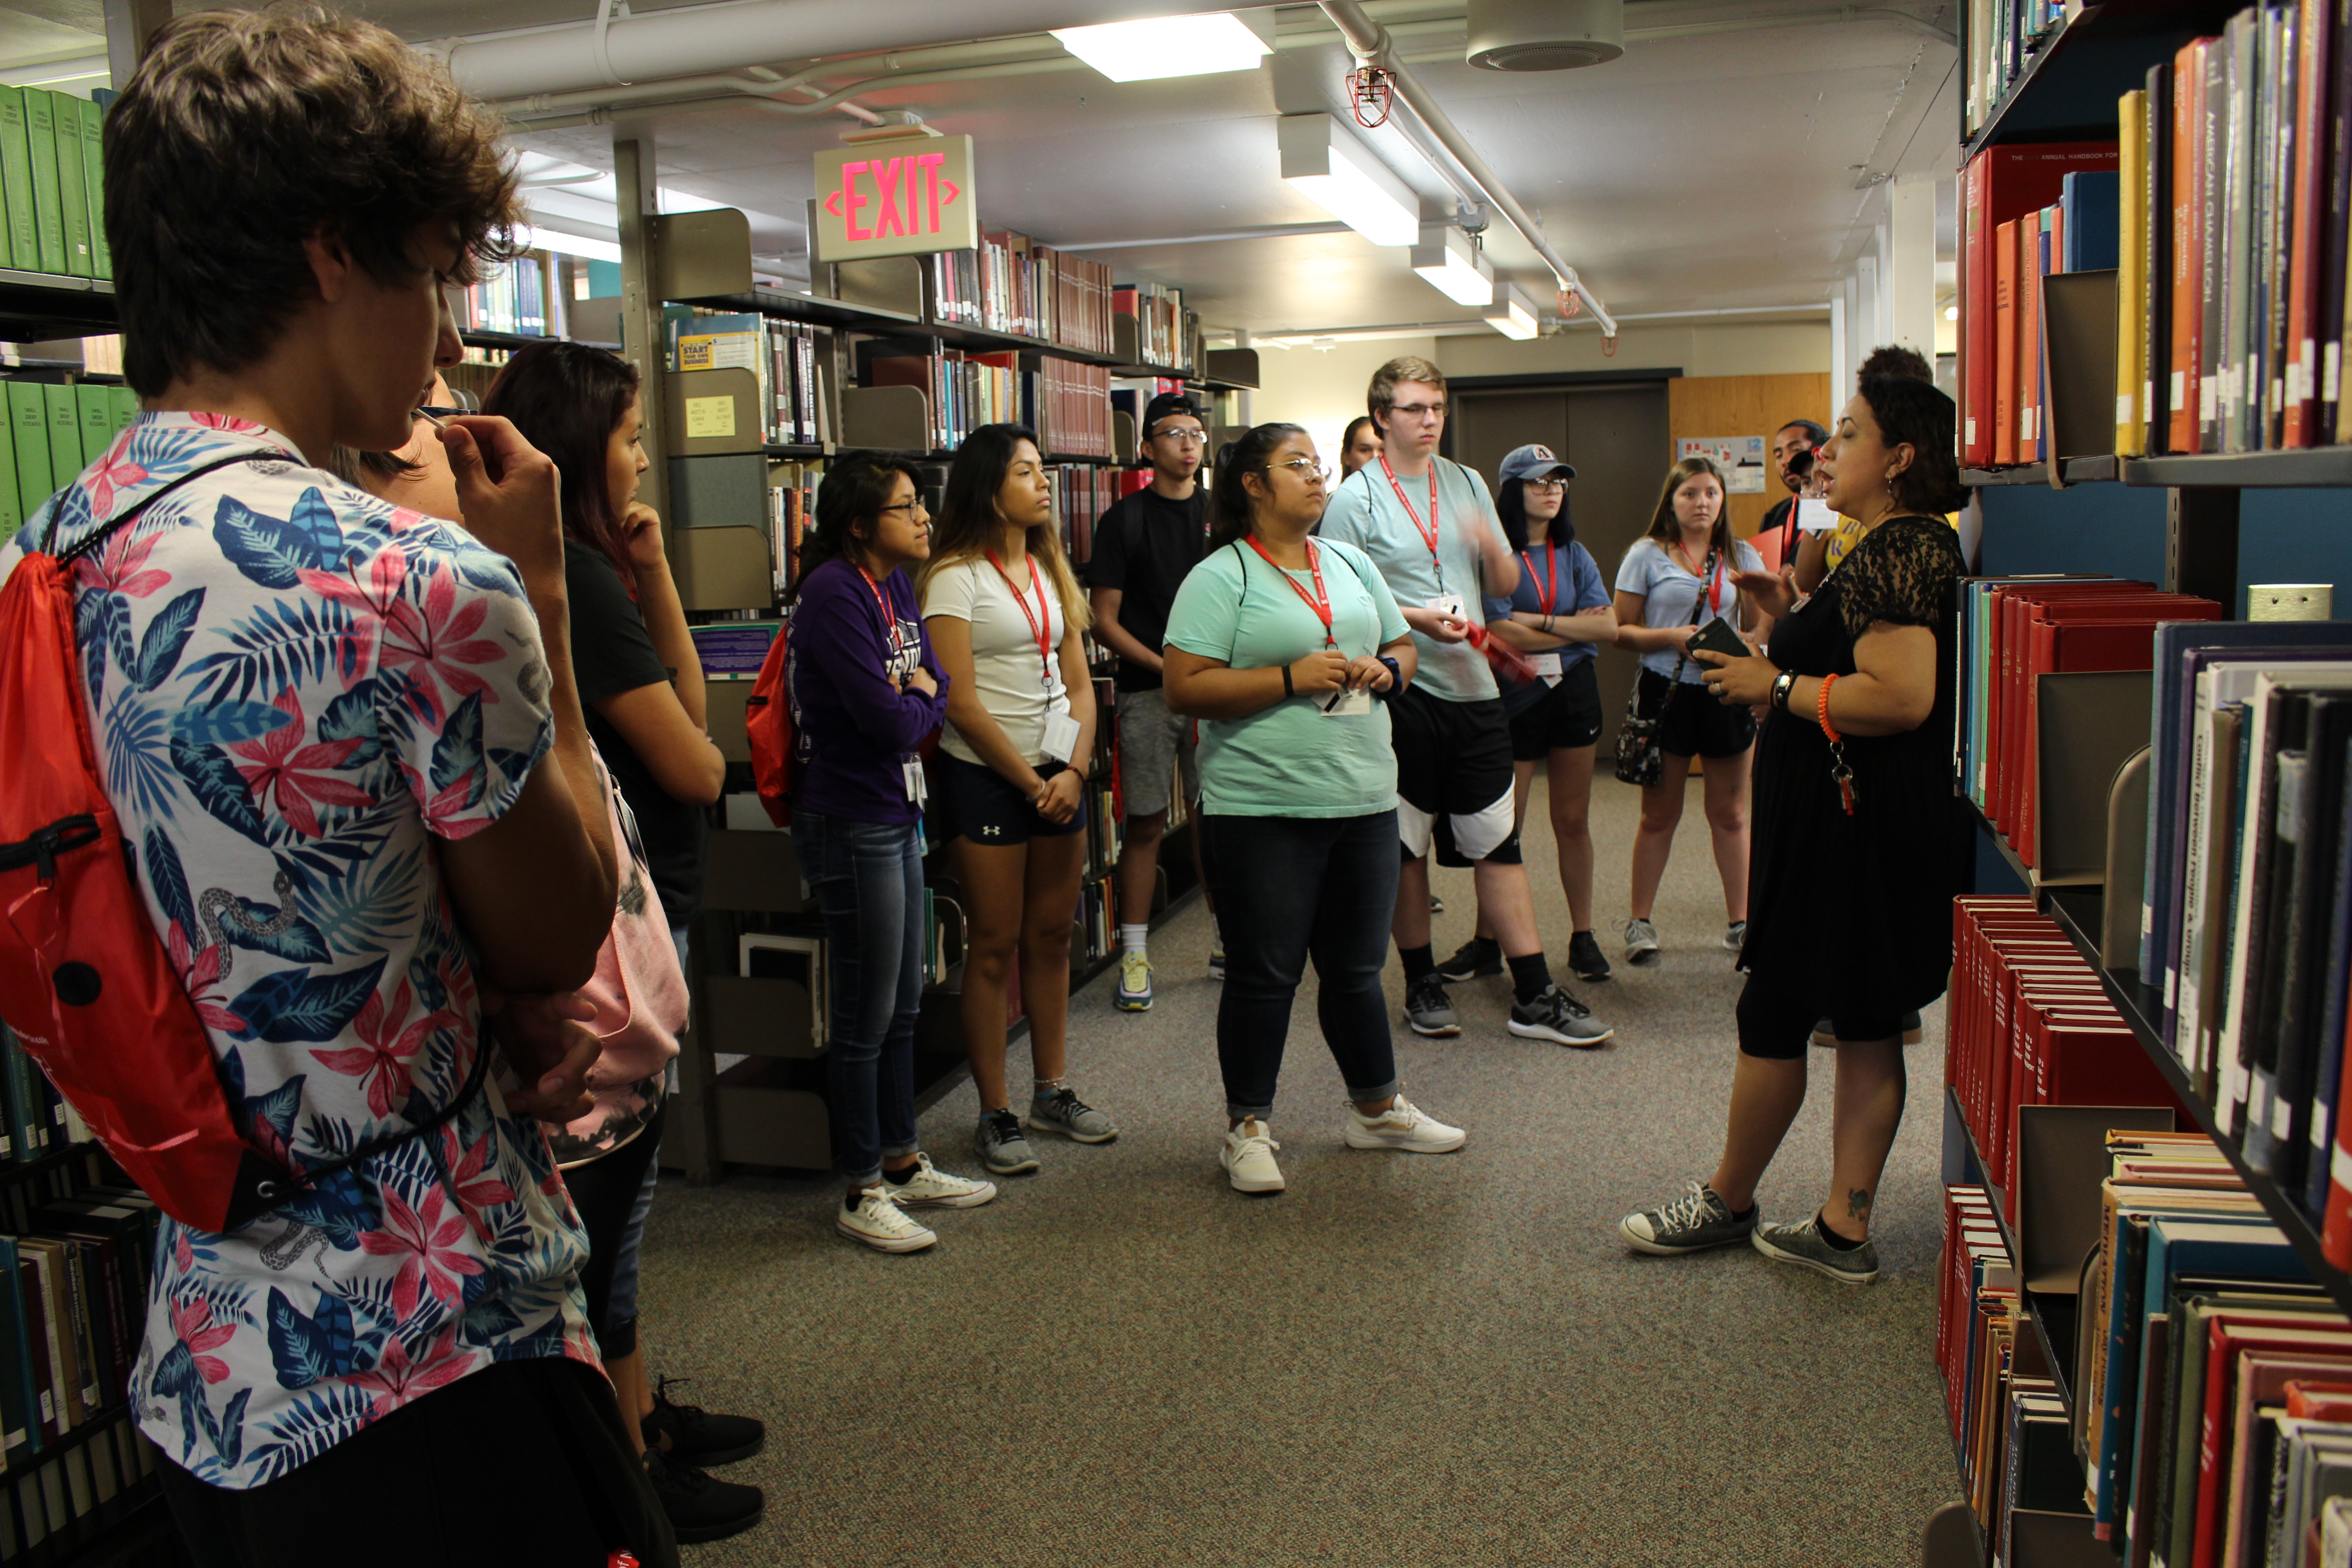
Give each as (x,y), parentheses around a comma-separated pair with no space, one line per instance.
(1144,545)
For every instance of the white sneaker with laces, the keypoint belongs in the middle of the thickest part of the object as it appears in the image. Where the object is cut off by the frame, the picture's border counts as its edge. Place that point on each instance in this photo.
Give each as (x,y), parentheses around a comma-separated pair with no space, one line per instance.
(882,1224)
(1403,1125)
(1248,1157)
(930,1187)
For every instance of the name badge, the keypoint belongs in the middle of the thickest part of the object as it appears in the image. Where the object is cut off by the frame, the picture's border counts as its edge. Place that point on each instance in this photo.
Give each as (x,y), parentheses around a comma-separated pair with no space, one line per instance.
(911,772)
(1546,666)
(1814,516)
(1060,738)
(1448,605)
(1344,704)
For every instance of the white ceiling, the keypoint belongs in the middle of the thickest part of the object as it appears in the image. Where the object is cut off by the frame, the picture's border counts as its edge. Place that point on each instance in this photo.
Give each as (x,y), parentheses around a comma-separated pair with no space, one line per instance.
(1716,170)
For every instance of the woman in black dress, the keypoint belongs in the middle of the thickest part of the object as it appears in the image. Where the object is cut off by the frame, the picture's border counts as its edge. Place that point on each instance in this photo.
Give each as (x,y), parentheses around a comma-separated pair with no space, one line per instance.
(1858,844)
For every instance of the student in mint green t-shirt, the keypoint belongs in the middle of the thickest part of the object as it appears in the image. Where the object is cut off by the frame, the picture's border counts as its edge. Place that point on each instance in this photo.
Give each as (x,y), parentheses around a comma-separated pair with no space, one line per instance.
(1288,648)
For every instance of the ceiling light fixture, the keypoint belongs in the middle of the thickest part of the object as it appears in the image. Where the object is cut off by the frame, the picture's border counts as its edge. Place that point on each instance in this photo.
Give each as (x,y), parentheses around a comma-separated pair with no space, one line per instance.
(1511,312)
(1452,265)
(1323,162)
(567,244)
(1167,46)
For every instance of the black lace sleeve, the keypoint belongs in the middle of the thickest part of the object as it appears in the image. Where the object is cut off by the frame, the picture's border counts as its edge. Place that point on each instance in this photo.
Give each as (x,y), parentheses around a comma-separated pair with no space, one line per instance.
(1902,573)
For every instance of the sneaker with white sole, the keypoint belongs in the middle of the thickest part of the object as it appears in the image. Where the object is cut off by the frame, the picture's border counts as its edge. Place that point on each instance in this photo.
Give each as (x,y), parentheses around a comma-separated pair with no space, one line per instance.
(1063,1112)
(1478,957)
(1248,1157)
(1002,1147)
(1559,1018)
(1134,994)
(1641,942)
(1694,1221)
(1585,959)
(1428,1009)
(882,1224)
(1735,936)
(1405,1126)
(927,1187)
(1217,960)
(1803,1245)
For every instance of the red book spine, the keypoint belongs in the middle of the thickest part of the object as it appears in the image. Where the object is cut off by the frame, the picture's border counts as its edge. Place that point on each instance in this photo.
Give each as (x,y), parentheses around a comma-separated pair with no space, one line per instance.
(2336,1225)
(2300,424)
(1975,342)
(2004,390)
(2188,284)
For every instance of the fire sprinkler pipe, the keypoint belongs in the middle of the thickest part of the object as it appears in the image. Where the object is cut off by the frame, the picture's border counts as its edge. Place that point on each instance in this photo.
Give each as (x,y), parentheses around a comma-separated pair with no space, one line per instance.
(1370,43)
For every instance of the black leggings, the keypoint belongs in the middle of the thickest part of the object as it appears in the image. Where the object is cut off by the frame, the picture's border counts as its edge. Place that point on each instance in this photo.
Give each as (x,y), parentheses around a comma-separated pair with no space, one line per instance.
(604,1192)
(1778,1026)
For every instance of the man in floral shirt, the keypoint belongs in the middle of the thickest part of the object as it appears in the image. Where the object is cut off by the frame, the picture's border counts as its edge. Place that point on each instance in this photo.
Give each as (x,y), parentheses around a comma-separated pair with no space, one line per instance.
(345,745)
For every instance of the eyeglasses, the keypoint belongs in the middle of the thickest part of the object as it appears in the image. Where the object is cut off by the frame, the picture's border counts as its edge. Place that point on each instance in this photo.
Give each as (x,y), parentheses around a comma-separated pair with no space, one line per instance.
(1188,437)
(1304,467)
(907,506)
(1545,486)
(1418,410)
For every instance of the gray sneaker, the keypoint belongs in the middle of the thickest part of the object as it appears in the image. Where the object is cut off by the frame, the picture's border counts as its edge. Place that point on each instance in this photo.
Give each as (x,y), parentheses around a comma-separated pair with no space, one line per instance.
(1559,1018)
(1641,942)
(1735,936)
(1691,1223)
(998,1143)
(1428,1009)
(1063,1112)
(1802,1244)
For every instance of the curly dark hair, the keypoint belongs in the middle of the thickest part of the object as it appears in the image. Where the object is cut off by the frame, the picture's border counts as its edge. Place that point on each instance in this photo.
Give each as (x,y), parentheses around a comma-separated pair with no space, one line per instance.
(858,486)
(1894,359)
(1916,413)
(245,134)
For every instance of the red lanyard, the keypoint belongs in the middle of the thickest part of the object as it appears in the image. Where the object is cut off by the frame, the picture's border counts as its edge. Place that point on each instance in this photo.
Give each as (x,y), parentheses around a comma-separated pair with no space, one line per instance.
(1714,588)
(1429,533)
(1321,603)
(1042,633)
(1550,594)
(889,615)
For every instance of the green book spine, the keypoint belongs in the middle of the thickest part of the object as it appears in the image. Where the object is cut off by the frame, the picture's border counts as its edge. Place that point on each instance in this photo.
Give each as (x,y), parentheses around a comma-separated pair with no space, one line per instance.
(41,141)
(28,423)
(126,406)
(93,173)
(23,249)
(73,193)
(94,404)
(12,498)
(65,434)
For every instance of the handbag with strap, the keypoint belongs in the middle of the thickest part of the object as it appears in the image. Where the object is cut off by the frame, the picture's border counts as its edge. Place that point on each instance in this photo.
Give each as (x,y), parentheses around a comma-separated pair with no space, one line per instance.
(1640,760)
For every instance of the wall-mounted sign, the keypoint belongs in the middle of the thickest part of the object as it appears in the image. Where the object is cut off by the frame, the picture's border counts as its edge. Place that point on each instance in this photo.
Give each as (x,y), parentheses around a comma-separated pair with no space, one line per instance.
(905,196)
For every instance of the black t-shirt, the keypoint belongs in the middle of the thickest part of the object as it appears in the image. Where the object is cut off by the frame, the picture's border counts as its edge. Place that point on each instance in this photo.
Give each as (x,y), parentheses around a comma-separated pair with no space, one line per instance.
(1144,546)
(1777,516)
(613,653)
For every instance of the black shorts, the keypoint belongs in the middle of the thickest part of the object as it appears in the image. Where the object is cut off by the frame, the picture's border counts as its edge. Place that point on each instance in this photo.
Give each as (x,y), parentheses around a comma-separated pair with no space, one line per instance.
(1565,717)
(1778,1026)
(1453,779)
(1696,725)
(980,803)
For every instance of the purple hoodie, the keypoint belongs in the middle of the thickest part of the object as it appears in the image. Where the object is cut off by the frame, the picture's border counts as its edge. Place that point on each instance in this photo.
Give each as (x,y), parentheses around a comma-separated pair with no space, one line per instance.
(853,728)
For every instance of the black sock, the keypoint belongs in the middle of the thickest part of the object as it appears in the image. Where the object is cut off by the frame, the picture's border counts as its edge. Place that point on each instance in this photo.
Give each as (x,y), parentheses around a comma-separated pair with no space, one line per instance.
(1736,1214)
(1531,976)
(1837,1242)
(849,1199)
(1418,962)
(900,1178)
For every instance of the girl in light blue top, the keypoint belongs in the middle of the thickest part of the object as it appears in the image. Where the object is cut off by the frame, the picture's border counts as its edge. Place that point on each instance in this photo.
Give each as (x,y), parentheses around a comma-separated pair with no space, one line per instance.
(1283,644)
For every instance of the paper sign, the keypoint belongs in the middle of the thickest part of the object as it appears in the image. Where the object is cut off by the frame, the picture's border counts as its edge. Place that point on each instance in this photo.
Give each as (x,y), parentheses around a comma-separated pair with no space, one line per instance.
(709,417)
(902,195)
(1814,516)
(1742,459)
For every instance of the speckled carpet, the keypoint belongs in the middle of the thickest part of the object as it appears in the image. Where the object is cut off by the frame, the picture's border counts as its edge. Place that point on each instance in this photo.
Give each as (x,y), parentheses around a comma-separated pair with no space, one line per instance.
(1403,1360)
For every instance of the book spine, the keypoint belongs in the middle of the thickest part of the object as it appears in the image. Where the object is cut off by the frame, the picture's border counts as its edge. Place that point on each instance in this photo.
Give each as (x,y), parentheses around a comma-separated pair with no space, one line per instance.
(73,190)
(2131,271)
(2188,278)
(48,216)
(23,248)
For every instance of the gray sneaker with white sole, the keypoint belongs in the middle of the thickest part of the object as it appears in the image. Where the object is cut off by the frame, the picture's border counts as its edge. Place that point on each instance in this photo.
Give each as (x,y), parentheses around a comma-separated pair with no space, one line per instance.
(1694,1221)
(1000,1145)
(1063,1112)
(1803,1244)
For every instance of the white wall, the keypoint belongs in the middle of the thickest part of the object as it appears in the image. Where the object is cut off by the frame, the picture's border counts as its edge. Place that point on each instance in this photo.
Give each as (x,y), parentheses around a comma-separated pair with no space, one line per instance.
(1323,389)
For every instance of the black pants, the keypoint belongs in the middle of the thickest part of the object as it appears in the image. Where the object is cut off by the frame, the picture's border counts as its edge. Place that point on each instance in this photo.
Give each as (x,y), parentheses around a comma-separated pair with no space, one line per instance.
(604,1192)
(1285,888)
(524,1462)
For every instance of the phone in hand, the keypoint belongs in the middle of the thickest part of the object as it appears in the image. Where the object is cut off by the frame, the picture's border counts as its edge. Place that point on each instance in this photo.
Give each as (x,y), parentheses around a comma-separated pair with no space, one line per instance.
(1719,636)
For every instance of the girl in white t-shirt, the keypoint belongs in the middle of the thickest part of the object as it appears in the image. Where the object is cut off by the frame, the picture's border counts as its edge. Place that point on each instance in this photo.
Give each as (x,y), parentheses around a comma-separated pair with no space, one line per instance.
(1007,620)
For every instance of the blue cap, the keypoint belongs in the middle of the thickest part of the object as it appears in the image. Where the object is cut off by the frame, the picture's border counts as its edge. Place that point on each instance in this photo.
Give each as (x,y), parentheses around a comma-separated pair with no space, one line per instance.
(1534,462)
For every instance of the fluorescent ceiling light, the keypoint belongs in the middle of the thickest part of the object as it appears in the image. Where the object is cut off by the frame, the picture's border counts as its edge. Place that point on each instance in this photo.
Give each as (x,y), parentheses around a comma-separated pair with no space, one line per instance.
(567,244)
(81,67)
(1511,312)
(1167,46)
(1444,256)
(1323,162)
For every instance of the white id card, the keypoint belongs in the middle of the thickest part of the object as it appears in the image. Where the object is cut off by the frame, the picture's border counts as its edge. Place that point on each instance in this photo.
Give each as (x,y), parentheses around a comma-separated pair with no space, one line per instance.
(1546,666)
(1347,704)
(1448,605)
(911,771)
(1061,737)
(1815,516)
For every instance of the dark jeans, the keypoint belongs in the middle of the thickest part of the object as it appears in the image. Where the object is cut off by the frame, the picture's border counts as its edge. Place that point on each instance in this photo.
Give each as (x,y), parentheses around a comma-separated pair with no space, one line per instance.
(1289,887)
(868,878)
(606,1193)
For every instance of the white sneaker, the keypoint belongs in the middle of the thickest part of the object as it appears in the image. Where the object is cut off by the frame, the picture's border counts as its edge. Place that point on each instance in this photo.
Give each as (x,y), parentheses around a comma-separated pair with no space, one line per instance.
(882,1224)
(1248,1157)
(931,1188)
(1405,1126)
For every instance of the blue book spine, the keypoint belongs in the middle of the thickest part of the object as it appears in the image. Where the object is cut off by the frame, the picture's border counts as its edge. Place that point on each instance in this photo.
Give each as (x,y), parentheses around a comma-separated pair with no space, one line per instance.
(2092,201)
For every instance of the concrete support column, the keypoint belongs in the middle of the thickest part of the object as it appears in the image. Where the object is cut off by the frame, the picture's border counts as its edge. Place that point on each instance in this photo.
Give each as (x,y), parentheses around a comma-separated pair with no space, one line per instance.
(1910,273)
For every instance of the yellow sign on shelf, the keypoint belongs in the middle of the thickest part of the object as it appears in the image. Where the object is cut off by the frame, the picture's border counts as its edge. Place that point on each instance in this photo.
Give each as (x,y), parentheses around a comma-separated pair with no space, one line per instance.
(707,416)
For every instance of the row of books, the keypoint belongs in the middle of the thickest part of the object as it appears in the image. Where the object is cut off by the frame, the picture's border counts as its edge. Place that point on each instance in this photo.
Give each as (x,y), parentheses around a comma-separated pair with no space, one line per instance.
(1066,403)
(791,506)
(1165,331)
(787,357)
(2076,233)
(2028,1023)
(54,431)
(2013,630)
(1084,493)
(52,183)
(2003,36)
(1012,284)
(522,295)
(38,1120)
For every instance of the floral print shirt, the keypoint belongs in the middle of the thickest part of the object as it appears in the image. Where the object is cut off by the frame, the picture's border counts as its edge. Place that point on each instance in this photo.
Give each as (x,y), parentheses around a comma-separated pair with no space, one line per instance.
(294,688)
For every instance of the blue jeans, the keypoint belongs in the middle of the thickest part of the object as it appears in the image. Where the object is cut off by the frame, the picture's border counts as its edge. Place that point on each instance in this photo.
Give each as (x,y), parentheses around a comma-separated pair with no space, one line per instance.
(1287,888)
(869,879)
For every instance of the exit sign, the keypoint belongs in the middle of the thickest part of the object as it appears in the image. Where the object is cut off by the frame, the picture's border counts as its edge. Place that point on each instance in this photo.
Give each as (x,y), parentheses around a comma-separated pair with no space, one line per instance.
(899,196)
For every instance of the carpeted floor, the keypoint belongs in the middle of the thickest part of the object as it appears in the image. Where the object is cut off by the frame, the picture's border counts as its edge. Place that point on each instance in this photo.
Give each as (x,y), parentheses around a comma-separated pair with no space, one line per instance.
(1403,1360)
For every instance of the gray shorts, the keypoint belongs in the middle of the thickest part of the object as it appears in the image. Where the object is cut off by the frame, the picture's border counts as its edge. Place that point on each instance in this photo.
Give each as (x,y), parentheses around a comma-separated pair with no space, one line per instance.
(1152,744)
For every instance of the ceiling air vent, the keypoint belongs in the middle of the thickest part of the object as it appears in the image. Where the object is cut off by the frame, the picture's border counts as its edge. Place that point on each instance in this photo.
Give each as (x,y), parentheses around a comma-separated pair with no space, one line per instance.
(1544,35)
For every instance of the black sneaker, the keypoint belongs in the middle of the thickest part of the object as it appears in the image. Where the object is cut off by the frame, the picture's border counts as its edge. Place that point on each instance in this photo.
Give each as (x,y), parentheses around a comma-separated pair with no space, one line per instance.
(1585,959)
(701,1507)
(690,1433)
(1479,955)
(1428,1010)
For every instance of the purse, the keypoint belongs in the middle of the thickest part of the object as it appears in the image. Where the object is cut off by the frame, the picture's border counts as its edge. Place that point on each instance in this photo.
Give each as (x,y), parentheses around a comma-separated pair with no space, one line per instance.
(1640,760)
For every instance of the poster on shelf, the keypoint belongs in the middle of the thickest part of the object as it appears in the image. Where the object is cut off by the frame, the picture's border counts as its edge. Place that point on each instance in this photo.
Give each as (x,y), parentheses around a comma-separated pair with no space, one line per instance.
(907,194)
(1742,459)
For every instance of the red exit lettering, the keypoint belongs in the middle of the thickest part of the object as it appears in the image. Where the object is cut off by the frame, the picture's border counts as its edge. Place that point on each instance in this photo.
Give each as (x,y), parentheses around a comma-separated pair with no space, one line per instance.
(909,196)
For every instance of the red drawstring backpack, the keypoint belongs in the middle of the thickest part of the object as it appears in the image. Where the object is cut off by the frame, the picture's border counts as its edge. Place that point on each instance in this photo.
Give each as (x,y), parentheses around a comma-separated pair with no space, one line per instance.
(768,715)
(85,982)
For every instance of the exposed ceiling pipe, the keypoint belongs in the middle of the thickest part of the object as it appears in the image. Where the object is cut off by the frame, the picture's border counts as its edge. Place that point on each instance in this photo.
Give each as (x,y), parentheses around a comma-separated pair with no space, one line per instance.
(1369,41)
(692,40)
(1269,231)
